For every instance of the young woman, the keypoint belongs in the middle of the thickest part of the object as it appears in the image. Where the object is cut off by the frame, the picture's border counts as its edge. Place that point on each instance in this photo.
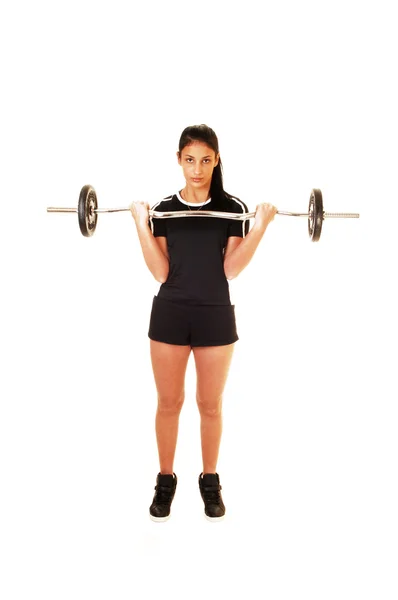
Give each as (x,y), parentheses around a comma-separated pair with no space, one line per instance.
(193,259)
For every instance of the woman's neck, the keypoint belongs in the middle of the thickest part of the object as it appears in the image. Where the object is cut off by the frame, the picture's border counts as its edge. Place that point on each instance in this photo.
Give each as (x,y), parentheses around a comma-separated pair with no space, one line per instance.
(195,196)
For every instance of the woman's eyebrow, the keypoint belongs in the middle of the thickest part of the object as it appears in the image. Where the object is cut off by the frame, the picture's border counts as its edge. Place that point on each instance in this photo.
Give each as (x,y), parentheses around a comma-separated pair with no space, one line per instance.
(190,156)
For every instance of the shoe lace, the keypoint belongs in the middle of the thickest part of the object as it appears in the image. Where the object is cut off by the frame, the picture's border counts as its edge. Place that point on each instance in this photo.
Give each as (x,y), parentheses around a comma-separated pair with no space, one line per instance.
(163,494)
(211,494)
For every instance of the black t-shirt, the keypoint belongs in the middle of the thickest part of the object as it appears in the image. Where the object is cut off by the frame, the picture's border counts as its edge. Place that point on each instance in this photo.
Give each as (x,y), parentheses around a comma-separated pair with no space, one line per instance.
(196,250)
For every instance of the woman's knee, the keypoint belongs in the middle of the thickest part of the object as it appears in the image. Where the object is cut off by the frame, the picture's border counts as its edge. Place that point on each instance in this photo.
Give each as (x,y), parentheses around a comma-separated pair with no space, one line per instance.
(209,407)
(170,404)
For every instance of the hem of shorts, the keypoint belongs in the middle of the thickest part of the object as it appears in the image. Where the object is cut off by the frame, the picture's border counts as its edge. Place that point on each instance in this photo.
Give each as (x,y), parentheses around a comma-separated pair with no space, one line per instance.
(167,342)
(197,345)
(218,343)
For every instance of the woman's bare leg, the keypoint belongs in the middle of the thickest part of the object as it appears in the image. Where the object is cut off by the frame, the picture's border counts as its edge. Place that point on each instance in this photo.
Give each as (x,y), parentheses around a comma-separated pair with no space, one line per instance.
(169,363)
(212,367)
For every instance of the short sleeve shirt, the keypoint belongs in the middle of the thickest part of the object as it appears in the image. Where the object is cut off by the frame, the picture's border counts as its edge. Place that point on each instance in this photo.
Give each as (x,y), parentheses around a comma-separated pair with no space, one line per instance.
(196,250)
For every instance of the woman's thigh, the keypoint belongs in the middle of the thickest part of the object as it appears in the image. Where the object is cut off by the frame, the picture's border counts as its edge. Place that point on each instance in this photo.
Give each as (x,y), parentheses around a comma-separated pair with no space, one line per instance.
(169,364)
(212,368)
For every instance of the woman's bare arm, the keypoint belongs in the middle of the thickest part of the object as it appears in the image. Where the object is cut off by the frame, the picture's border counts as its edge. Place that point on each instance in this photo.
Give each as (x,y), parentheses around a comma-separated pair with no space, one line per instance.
(154,249)
(240,251)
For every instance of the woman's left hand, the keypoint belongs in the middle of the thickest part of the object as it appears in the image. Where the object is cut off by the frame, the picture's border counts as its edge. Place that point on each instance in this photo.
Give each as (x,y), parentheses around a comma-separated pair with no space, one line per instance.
(265,213)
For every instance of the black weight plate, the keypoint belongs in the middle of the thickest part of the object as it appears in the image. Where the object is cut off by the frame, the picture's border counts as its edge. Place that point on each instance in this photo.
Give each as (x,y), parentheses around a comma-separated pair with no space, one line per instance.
(315,215)
(87,205)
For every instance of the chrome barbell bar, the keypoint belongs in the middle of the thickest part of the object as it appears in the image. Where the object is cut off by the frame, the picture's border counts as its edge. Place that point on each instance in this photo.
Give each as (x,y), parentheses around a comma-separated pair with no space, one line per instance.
(206,213)
(88,212)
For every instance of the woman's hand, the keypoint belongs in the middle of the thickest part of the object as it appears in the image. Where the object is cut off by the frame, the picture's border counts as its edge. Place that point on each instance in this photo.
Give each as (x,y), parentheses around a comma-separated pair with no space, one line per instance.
(140,212)
(265,213)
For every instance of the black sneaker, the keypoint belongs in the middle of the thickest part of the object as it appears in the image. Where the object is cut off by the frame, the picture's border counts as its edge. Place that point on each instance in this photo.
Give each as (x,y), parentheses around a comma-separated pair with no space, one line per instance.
(164,493)
(210,490)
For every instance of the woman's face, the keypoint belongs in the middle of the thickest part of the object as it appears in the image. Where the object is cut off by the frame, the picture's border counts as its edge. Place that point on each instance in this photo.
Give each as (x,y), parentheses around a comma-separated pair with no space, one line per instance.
(198,161)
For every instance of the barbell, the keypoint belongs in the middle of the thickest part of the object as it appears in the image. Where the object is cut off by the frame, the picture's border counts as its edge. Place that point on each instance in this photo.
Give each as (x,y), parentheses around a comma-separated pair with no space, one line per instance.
(88,211)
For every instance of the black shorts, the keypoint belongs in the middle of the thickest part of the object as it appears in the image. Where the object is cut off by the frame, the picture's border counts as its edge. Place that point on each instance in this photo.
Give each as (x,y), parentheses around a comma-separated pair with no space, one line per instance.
(192,325)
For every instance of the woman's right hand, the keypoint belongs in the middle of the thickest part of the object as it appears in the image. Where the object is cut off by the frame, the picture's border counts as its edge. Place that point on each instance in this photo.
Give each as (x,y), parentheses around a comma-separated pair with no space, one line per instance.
(140,212)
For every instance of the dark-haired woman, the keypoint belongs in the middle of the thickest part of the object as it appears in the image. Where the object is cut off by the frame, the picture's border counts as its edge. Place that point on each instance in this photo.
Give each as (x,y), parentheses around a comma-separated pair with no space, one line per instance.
(193,259)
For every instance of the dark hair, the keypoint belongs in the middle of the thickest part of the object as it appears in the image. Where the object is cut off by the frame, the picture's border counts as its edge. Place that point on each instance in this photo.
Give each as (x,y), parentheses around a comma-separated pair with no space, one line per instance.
(204,133)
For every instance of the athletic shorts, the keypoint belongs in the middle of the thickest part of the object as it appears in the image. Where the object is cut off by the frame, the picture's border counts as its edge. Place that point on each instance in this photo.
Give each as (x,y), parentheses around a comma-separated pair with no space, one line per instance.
(192,325)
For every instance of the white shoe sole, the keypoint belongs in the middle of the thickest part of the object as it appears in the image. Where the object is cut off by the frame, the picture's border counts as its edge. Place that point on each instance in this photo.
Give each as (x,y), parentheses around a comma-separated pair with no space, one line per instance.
(214,519)
(159,519)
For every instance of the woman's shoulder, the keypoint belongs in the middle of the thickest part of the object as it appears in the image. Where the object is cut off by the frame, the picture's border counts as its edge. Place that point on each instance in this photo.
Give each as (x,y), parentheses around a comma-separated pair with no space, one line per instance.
(235,204)
(165,204)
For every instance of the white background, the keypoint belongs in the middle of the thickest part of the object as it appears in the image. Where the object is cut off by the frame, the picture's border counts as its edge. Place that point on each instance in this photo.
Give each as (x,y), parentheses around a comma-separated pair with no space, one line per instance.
(301,95)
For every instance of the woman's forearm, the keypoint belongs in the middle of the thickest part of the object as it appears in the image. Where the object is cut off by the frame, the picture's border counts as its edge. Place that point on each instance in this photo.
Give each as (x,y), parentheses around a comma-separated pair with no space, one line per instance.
(238,259)
(156,261)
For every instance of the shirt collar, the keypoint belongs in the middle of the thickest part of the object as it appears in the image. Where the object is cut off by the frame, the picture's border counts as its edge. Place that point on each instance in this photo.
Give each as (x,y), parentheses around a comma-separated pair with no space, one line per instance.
(197,204)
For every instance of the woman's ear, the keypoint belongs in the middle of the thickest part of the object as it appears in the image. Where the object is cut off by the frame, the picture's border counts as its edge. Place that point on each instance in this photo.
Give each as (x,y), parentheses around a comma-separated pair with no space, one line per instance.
(217,159)
(178,157)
